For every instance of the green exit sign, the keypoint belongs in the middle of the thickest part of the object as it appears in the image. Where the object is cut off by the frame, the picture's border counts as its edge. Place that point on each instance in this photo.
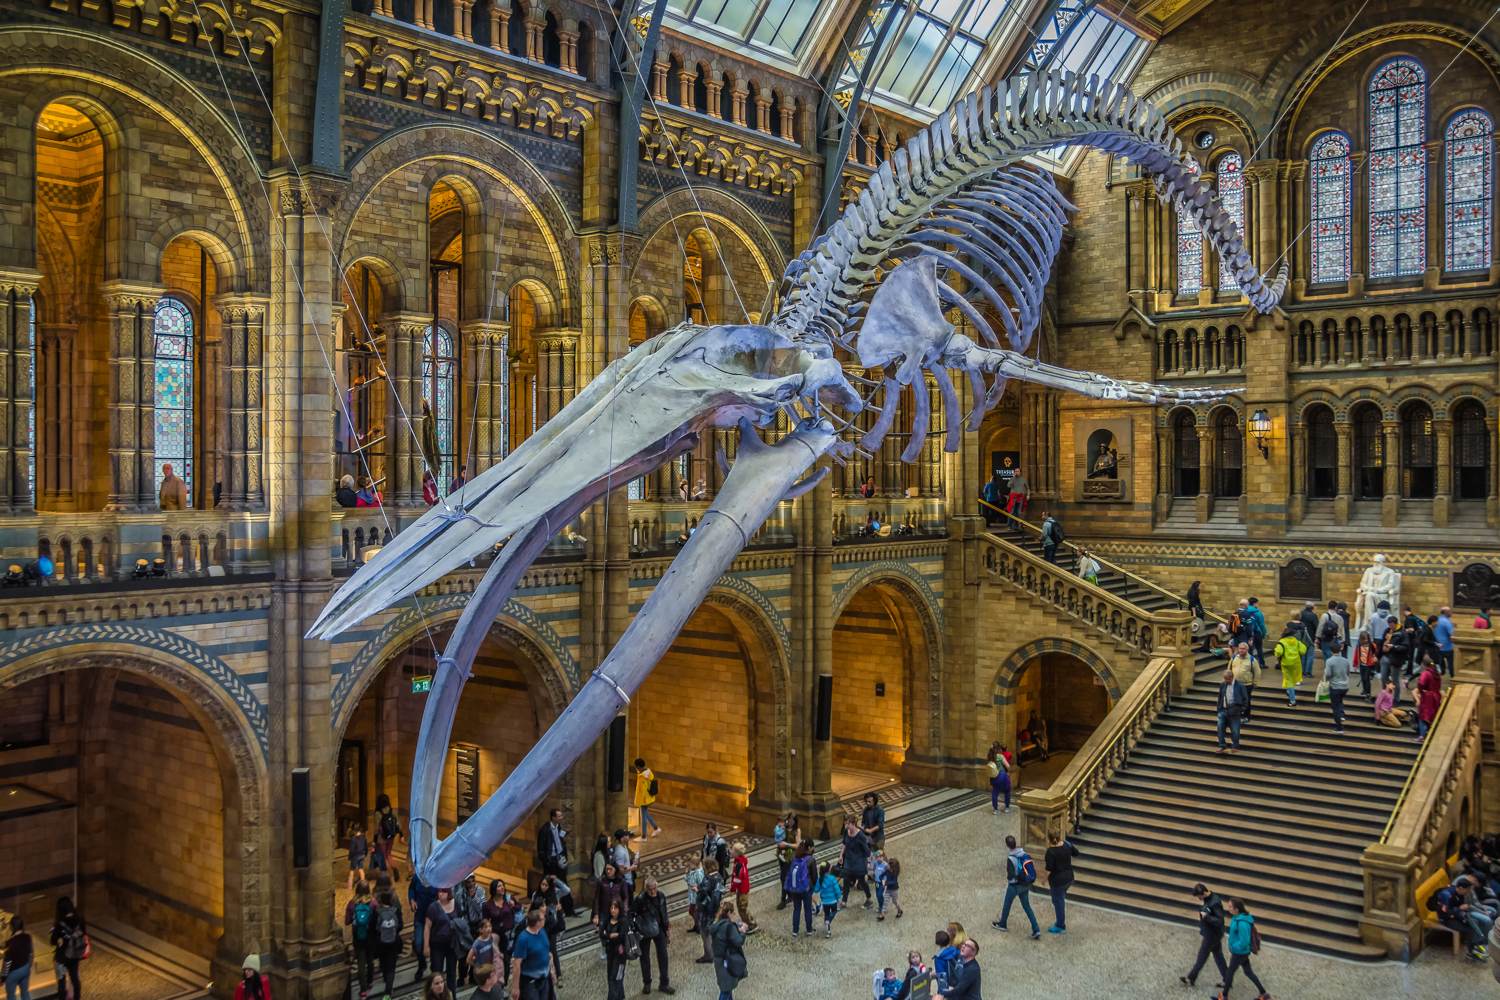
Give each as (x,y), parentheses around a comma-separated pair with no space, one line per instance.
(422,684)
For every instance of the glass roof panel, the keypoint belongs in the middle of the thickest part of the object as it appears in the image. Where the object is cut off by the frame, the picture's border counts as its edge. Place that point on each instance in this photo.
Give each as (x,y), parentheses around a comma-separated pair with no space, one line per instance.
(1098,44)
(938,47)
(784,23)
(781,27)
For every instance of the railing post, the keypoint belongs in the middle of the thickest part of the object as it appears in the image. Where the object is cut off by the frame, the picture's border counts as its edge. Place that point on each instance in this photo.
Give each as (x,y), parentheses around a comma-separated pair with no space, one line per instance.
(1390,920)
(1174,641)
(1476,660)
(1044,813)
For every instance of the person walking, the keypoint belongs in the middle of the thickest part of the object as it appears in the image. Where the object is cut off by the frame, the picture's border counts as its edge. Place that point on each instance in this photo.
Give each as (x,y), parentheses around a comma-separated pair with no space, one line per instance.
(999,768)
(1195,602)
(1394,653)
(19,951)
(1245,670)
(1058,862)
(1288,653)
(552,854)
(739,882)
(1052,537)
(1210,935)
(610,889)
(253,984)
(1230,708)
(387,831)
(1258,630)
(646,788)
(1336,676)
(70,942)
(854,857)
(728,935)
(440,936)
(359,917)
(829,896)
(612,929)
(872,821)
(1330,629)
(1307,619)
(786,852)
(890,888)
(1429,697)
(963,974)
(1442,634)
(710,895)
(1244,941)
(1366,660)
(649,912)
(798,886)
(531,959)
(1020,875)
(1020,492)
(388,924)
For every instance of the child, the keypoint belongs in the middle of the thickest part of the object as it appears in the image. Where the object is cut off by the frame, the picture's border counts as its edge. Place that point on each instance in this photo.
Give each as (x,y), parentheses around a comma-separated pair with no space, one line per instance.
(829,894)
(359,850)
(942,961)
(877,875)
(887,986)
(693,879)
(888,885)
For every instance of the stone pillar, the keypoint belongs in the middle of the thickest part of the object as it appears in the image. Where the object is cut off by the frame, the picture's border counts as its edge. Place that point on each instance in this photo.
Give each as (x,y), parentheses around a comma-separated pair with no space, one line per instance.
(1204,503)
(1359,244)
(1345,498)
(568,50)
(763,115)
(487,343)
(17,354)
(1163,504)
(715,87)
(1436,213)
(536,28)
(1442,429)
(243,318)
(132,390)
(557,371)
(1390,504)
(403,412)
(422,14)
(499,26)
(685,78)
(1299,474)
(383,8)
(659,81)
(739,95)
(1137,198)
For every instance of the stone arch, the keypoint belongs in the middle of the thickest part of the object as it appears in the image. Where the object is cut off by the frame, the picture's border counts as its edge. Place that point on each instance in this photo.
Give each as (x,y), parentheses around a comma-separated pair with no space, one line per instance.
(549,307)
(1005,676)
(214,243)
(1455,394)
(1398,399)
(238,740)
(92,65)
(517,624)
(912,589)
(689,207)
(745,605)
(652,312)
(1198,413)
(1319,397)
(452,145)
(392,273)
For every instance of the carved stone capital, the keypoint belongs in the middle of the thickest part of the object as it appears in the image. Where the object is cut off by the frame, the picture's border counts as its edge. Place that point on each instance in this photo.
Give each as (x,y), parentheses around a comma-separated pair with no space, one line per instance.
(125,296)
(22,282)
(239,307)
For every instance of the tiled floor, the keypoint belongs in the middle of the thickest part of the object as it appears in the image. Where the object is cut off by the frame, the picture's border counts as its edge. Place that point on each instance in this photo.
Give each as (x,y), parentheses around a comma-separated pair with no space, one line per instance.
(106,974)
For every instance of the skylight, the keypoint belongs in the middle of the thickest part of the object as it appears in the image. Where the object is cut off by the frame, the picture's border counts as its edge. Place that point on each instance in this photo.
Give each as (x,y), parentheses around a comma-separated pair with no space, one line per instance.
(937,48)
(781,26)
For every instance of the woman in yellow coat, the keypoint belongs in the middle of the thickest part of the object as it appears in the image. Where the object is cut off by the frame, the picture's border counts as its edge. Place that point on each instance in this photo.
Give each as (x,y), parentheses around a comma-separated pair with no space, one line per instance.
(645,794)
(1288,652)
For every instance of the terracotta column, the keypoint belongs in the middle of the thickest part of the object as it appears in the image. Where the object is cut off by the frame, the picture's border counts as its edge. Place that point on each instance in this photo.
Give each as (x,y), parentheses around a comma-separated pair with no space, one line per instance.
(403,412)
(243,318)
(499,26)
(1299,474)
(1345,498)
(463,19)
(132,390)
(1204,504)
(17,352)
(422,13)
(487,380)
(1390,504)
(1442,502)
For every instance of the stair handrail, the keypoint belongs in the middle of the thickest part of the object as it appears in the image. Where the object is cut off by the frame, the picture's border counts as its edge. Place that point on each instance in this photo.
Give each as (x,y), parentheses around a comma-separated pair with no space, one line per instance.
(1426,816)
(1036,529)
(1059,808)
(1145,631)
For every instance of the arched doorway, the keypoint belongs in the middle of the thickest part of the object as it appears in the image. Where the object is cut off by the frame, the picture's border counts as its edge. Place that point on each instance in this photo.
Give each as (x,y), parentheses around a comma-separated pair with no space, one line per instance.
(1229,456)
(1322,453)
(1471,452)
(513,695)
(1185,465)
(1369,452)
(1058,690)
(1418,452)
(132,789)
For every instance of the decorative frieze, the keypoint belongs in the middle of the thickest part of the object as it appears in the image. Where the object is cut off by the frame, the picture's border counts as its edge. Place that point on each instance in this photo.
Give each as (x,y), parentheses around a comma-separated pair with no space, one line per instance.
(732,159)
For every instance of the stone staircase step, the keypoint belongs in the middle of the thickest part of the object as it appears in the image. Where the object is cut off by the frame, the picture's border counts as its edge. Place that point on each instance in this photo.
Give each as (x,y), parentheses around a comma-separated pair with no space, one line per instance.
(1254,763)
(1318,880)
(1237,804)
(1207,784)
(1233,823)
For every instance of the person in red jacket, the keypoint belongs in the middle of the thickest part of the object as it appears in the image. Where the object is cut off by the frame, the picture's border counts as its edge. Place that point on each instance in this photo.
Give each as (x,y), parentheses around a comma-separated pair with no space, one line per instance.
(739,884)
(252,985)
(1429,697)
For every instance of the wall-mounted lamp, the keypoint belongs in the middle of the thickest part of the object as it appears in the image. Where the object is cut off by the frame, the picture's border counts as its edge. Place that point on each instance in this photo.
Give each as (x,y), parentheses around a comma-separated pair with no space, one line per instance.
(1260,431)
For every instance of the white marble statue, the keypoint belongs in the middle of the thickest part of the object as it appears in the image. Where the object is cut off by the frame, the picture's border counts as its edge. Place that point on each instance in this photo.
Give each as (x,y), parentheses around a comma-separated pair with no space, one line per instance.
(1380,583)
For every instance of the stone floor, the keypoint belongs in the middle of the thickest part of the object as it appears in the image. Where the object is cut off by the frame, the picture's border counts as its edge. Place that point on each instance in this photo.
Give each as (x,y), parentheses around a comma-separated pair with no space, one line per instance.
(951,871)
(107,974)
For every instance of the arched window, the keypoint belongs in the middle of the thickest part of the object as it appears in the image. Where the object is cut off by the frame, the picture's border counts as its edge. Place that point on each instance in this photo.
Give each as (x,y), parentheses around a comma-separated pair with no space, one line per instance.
(1398,170)
(1471,452)
(1230,180)
(439,382)
(1184,455)
(1418,451)
(1369,453)
(174,390)
(1229,456)
(1467,168)
(1328,208)
(1322,454)
(1189,256)
(31,413)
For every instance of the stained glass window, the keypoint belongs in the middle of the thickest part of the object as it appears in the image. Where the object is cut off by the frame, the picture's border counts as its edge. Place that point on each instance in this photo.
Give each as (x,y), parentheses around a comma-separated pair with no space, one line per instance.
(1329,210)
(1189,255)
(1231,183)
(439,383)
(174,391)
(1468,168)
(1398,170)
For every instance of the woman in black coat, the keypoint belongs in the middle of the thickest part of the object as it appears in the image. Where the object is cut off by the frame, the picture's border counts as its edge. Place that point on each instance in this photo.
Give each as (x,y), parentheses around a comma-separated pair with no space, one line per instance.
(1059,865)
(728,936)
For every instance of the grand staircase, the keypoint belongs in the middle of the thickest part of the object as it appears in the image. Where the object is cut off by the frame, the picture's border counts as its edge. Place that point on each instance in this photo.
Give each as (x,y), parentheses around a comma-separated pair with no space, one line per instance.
(1281,824)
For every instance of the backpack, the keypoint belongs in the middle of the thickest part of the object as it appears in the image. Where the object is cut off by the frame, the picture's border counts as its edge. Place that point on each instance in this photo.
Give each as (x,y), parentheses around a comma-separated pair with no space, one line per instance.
(653,788)
(74,944)
(390,923)
(796,877)
(389,828)
(1254,940)
(1235,623)
(364,916)
(1025,869)
(721,853)
(1329,631)
(708,897)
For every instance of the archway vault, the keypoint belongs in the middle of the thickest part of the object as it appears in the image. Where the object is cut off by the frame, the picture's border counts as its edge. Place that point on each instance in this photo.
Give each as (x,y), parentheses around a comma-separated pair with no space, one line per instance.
(1010,669)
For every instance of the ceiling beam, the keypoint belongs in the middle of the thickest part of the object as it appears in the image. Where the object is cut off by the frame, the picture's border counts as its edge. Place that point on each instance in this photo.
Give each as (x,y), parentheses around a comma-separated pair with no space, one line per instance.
(634,48)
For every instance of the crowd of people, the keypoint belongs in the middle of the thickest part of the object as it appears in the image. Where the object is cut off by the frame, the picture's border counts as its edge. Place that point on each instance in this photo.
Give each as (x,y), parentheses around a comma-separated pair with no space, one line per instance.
(1394,658)
(69,940)
(1470,904)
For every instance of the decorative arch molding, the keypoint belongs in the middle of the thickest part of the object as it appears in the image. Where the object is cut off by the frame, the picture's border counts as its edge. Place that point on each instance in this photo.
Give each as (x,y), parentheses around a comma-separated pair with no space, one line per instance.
(1010,669)
(96,65)
(183,662)
(1198,411)
(517,624)
(394,275)
(543,291)
(743,603)
(710,204)
(911,586)
(1224,94)
(1297,72)
(746,593)
(1320,397)
(218,244)
(454,145)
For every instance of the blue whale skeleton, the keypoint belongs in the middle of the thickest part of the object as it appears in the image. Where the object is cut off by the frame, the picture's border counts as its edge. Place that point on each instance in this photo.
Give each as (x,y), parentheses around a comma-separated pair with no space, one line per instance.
(952,221)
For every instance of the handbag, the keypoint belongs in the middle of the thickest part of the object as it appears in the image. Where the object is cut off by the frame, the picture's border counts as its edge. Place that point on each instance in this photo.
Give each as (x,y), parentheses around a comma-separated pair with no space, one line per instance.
(1322,692)
(735,965)
(632,945)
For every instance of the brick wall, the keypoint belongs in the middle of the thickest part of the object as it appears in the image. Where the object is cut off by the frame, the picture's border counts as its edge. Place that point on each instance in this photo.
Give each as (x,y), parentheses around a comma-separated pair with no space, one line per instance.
(692,723)
(39,838)
(869,729)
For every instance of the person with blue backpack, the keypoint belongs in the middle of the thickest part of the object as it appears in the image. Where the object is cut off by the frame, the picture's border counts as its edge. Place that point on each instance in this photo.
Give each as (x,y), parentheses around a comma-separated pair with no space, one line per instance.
(1020,876)
(799,887)
(359,917)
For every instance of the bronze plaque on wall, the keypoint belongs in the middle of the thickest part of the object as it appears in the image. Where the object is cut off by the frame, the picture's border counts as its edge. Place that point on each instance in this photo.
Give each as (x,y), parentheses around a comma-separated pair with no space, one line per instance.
(1300,580)
(1476,586)
(466,771)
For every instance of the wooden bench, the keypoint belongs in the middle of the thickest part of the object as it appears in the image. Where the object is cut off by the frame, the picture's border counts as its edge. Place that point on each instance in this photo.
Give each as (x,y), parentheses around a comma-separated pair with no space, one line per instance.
(1437,880)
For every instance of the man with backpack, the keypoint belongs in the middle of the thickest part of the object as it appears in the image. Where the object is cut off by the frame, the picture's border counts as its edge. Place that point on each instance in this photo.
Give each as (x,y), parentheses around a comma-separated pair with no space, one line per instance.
(649,911)
(1052,537)
(710,893)
(1020,876)
(1331,629)
(388,923)
(359,917)
(1210,935)
(799,885)
(715,853)
(387,832)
